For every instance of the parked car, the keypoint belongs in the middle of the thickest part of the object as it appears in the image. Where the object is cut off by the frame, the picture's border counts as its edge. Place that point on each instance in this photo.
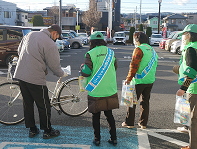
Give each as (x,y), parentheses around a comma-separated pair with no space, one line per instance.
(104,35)
(176,47)
(127,34)
(163,41)
(66,44)
(84,37)
(154,39)
(170,41)
(60,45)
(119,37)
(10,38)
(75,42)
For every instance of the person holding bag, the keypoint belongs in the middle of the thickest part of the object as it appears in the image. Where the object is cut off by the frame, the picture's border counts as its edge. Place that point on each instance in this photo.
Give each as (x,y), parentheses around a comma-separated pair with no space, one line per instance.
(100,69)
(142,70)
(187,75)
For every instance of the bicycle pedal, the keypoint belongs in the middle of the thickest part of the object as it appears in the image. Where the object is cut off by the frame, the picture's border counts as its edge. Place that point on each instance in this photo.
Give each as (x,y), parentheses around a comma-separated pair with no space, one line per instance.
(59,112)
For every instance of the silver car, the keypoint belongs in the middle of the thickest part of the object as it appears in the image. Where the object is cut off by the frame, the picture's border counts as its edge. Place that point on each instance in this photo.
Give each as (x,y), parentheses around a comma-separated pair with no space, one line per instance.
(84,37)
(119,37)
(75,42)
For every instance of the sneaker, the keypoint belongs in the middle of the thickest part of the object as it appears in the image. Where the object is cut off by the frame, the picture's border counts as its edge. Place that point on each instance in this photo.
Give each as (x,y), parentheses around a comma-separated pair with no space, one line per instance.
(125,125)
(113,142)
(97,143)
(52,134)
(33,133)
(183,129)
(142,127)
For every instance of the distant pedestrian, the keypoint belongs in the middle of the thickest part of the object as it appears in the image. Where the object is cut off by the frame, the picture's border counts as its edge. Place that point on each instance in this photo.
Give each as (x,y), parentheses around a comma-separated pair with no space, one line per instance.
(188,72)
(36,51)
(100,68)
(142,71)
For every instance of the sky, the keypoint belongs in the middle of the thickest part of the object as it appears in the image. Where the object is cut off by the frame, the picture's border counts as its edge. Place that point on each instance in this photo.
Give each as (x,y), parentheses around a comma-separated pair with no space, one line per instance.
(127,6)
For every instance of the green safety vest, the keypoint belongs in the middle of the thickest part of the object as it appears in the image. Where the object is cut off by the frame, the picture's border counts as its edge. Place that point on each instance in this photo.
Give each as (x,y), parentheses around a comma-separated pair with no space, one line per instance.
(147,55)
(193,86)
(107,85)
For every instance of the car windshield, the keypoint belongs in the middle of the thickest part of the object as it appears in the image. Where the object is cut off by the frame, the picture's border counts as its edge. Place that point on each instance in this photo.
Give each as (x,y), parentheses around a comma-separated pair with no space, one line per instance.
(156,36)
(74,34)
(104,33)
(126,33)
(82,35)
(119,35)
(171,35)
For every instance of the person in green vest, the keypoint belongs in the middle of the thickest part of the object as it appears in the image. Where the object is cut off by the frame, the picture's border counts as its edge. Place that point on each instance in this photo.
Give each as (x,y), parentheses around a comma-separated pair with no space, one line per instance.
(187,75)
(142,71)
(100,69)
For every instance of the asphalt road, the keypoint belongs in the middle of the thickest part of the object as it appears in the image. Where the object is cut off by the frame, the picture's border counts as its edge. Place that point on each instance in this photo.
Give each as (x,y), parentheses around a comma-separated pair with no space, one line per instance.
(162,100)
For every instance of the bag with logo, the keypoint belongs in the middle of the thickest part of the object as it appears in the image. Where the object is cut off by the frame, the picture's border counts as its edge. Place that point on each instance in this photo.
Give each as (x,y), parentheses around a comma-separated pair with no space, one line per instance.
(128,94)
(182,111)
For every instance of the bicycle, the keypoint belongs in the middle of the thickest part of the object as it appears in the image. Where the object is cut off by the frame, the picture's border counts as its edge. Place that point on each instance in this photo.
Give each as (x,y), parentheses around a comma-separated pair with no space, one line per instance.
(66,96)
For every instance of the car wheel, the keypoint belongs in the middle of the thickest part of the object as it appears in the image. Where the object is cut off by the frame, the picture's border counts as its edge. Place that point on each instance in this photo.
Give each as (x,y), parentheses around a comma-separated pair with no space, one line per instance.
(8,59)
(178,51)
(76,45)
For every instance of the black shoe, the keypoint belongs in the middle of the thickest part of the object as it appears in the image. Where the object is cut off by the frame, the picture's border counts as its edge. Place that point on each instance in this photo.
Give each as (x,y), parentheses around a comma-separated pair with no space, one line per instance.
(113,142)
(53,133)
(33,133)
(97,143)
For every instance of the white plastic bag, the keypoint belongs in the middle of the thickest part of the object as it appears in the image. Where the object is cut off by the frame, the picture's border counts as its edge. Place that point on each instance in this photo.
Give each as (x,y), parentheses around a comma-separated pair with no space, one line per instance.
(67,69)
(128,94)
(182,111)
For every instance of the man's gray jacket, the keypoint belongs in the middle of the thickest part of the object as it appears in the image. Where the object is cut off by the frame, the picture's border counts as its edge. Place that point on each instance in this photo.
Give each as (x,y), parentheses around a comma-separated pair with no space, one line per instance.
(36,51)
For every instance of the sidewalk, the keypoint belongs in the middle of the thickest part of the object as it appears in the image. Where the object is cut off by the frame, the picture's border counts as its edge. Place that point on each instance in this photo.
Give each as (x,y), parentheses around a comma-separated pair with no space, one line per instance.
(16,137)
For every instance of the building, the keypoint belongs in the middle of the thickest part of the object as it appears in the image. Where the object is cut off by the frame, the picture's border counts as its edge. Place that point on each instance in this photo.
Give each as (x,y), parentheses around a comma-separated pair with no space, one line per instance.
(69,14)
(175,22)
(22,18)
(191,18)
(102,6)
(7,13)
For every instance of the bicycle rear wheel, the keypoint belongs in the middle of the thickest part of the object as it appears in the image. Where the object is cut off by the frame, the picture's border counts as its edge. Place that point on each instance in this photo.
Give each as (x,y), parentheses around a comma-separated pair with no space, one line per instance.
(11,104)
(72,101)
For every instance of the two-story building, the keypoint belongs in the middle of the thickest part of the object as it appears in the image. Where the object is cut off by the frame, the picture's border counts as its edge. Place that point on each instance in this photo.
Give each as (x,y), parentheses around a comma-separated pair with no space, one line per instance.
(22,18)
(69,16)
(175,22)
(7,13)
(191,18)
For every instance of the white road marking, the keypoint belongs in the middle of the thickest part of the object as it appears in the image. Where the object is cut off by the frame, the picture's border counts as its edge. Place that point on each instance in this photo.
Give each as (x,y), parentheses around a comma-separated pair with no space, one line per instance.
(1,72)
(22,144)
(143,137)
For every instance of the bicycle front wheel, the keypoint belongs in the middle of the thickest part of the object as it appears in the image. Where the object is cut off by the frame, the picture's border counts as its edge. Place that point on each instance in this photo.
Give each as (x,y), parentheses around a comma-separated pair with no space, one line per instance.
(11,104)
(72,102)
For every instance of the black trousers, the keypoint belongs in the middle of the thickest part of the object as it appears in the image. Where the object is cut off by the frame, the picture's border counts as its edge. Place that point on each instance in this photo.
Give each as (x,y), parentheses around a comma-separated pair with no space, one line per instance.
(96,124)
(142,90)
(39,94)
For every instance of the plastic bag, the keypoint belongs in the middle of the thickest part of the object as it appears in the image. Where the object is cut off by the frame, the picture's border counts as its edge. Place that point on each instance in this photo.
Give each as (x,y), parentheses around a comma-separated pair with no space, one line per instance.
(182,111)
(11,69)
(67,69)
(82,82)
(128,94)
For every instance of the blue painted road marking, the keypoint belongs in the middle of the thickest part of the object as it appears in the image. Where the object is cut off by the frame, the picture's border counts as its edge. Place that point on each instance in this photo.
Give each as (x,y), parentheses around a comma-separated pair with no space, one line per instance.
(16,137)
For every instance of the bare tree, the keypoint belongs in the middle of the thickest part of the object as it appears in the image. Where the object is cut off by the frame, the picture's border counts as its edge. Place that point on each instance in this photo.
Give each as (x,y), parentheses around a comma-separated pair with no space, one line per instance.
(92,16)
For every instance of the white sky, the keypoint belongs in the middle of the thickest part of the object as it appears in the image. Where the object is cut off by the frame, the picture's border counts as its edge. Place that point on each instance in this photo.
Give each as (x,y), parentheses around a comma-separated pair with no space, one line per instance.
(127,6)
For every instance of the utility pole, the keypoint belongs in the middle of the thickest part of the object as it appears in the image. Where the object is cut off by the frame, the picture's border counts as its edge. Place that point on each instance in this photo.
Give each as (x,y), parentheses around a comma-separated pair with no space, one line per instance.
(77,20)
(159,16)
(135,18)
(110,17)
(140,11)
(60,13)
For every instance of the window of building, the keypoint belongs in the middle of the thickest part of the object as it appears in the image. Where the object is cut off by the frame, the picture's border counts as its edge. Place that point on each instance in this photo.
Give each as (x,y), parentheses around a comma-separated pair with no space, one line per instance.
(18,16)
(154,22)
(173,21)
(7,14)
(25,16)
(191,17)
